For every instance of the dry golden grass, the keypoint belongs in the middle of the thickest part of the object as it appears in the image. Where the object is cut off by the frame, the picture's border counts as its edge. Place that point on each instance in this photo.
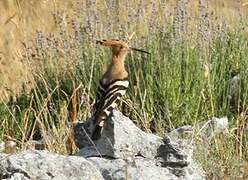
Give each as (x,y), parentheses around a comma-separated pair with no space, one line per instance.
(20,19)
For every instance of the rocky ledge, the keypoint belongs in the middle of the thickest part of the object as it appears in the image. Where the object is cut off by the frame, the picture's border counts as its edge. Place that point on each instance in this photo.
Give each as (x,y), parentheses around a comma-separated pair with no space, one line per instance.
(123,152)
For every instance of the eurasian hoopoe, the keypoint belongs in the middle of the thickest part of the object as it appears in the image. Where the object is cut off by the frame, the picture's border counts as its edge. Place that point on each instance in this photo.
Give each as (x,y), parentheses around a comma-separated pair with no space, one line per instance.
(113,84)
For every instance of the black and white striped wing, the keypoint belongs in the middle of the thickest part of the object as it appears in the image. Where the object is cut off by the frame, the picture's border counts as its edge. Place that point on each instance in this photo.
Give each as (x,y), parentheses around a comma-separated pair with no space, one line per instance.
(114,92)
(109,95)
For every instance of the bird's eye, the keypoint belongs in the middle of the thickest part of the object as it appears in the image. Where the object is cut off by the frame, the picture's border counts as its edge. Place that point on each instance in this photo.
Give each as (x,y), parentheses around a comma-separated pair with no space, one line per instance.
(121,47)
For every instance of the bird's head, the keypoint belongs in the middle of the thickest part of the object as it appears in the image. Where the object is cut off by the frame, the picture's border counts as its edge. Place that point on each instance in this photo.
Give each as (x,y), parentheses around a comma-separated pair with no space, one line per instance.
(119,48)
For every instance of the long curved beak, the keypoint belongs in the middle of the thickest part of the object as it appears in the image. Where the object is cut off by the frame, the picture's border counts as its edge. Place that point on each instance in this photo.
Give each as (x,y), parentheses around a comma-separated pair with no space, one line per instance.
(140,50)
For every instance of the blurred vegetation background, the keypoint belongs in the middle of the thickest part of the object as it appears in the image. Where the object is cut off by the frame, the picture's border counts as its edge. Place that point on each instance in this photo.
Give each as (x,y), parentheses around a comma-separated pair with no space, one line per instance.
(50,67)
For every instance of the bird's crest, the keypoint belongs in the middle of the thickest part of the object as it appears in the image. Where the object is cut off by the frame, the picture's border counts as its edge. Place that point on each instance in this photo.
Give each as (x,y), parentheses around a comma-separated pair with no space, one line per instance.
(118,43)
(112,43)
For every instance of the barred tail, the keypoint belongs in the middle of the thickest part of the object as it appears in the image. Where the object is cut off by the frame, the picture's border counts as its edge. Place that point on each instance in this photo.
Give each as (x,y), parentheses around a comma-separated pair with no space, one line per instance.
(97,133)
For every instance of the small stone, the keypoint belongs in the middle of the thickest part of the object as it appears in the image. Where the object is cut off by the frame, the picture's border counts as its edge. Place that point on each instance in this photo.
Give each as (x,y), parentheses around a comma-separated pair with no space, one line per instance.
(10,147)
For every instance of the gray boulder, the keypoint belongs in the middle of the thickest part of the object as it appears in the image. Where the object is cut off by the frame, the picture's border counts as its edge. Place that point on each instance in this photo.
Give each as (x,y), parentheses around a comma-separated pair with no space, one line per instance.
(126,152)
(35,164)
(234,87)
(120,139)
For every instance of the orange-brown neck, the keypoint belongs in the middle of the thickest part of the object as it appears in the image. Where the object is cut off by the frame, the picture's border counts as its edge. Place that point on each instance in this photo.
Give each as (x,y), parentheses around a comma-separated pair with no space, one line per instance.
(118,61)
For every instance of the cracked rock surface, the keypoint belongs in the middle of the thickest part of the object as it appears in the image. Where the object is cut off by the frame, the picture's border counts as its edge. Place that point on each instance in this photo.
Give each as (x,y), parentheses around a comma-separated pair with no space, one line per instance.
(35,164)
(126,152)
(120,139)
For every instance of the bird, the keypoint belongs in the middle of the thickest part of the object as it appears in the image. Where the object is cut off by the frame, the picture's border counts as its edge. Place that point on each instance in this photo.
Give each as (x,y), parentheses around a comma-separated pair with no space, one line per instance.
(113,84)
